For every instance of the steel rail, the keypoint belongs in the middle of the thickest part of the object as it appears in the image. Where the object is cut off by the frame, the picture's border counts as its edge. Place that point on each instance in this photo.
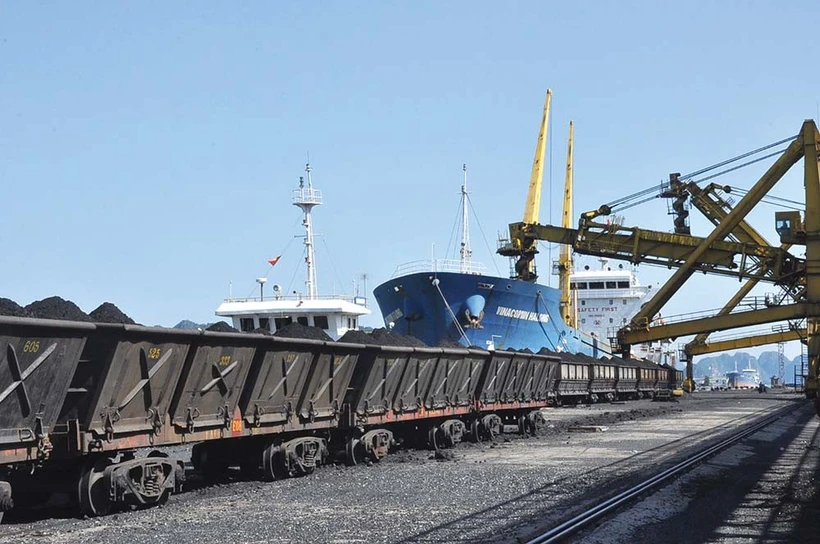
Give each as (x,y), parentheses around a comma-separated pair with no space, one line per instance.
(582,520)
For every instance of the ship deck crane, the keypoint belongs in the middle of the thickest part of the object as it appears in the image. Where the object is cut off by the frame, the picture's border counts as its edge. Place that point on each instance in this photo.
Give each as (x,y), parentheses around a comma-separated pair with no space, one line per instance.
(565,265)
(532,206)
(733,249)
(525,269)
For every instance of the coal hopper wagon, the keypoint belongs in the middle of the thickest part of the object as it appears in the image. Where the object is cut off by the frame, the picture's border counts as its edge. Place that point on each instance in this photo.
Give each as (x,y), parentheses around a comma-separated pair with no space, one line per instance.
(91,410)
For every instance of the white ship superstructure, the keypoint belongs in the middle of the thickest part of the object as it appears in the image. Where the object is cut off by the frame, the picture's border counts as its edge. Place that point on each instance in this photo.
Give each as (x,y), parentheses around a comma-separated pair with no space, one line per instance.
(607,298)
(334,314)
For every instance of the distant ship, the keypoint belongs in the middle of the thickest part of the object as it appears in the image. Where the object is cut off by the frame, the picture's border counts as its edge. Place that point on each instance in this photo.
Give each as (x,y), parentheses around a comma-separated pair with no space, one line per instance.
(748,378)
(335,314)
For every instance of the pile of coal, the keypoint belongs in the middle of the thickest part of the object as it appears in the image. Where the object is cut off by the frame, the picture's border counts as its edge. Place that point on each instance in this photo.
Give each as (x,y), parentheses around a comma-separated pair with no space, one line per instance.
(574,357)
(390,338)
(358,337)
(303,332)
(260,330)
(56,308)
(10,308)
(220,326)
(448,343)
(109,313)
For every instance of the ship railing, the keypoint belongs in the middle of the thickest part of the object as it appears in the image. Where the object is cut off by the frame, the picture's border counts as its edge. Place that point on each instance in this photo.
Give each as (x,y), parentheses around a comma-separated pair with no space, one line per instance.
(440,265)
(361,301)
(307,196)
(632,292)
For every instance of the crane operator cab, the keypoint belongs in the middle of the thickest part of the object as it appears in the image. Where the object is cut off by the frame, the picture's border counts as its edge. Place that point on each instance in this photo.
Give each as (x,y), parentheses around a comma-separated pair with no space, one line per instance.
(789,226)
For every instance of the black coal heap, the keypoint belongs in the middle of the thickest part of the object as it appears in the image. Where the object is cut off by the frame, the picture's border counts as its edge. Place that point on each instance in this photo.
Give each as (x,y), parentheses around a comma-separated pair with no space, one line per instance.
(56,308)
(221,326)
(109,313)
(10,308)
(303,332)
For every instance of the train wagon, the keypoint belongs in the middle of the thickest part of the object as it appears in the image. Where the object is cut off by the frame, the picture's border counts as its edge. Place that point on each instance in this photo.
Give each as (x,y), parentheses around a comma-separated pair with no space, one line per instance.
(90,409)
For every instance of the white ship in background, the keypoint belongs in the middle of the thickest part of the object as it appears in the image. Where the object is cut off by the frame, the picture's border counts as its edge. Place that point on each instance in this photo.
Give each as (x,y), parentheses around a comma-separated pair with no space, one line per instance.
(335,314)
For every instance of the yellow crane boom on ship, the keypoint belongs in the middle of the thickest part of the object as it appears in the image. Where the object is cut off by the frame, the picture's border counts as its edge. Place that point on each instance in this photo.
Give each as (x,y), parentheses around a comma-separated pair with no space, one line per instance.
(526,269)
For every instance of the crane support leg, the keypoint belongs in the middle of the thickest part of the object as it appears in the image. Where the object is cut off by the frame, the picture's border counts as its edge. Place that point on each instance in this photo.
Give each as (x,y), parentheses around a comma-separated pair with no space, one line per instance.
(811,153)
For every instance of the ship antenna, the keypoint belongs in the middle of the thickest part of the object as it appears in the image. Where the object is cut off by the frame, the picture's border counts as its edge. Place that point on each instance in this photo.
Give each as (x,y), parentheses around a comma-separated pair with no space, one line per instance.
(305,199)
(466,251)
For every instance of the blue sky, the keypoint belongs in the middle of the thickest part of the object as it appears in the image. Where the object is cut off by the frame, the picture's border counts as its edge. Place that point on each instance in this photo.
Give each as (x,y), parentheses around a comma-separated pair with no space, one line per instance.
(147,152)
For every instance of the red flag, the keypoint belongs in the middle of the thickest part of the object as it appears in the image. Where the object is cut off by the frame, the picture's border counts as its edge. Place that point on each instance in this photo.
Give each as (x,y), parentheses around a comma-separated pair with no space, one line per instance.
(274,260)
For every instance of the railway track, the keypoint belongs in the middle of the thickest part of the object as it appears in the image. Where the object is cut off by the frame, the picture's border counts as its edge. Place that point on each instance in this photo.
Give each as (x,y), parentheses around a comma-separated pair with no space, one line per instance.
(634,494)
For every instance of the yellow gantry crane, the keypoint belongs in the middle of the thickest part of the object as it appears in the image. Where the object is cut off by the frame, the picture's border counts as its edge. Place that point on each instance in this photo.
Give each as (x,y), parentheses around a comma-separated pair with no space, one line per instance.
(732,249)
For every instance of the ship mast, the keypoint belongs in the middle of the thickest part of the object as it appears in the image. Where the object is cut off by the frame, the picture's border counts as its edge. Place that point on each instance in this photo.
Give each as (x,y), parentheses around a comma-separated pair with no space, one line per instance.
(466,251)
(305,198)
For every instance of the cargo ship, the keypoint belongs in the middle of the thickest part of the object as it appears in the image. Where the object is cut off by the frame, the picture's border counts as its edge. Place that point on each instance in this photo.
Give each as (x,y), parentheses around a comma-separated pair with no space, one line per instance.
(454,300)
(747,378)
(334,314)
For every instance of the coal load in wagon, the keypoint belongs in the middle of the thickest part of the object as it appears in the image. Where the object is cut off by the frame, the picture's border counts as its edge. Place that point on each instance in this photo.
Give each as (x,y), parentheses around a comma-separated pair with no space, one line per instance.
(109,313)
(550,353)
(302,332)
(358,337)
(220,326)
(448,343)
(56,308)
(10,308)
(260,330)
(383,337)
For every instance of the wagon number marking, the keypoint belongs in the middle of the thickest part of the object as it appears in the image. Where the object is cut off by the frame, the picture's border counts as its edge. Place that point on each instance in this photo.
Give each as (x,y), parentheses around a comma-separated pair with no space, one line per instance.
(145,373)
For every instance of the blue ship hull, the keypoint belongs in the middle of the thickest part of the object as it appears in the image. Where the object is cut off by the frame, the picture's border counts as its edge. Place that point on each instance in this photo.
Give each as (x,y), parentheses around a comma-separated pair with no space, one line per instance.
(481,311)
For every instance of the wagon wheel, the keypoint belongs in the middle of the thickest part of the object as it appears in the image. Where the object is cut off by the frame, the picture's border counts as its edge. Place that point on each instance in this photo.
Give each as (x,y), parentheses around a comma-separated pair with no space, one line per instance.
(522,425)
(432,436)
(352,451)
(537,423)
(92,489)
(475,429)
(6,502)
(276,464)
